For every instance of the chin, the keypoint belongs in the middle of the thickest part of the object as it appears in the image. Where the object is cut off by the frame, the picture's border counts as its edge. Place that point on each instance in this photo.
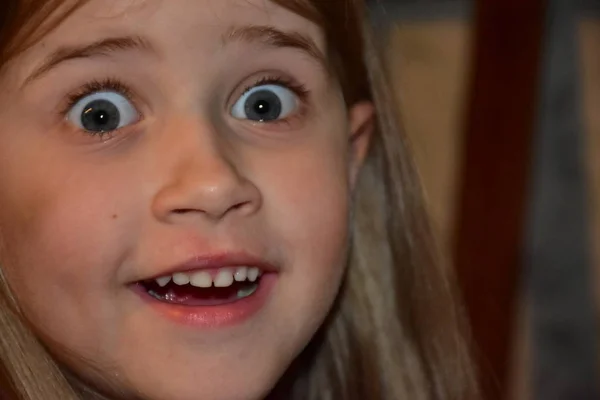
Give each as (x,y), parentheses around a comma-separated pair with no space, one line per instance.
(199,389)
(235,391)
(250,381)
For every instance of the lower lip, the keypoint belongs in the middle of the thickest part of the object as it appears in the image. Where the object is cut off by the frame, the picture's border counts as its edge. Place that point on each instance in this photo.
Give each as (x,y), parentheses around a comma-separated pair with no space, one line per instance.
(218,316)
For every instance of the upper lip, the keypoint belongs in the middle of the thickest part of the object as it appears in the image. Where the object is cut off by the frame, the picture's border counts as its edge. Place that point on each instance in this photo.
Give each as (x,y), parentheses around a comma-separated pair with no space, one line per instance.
(218,260)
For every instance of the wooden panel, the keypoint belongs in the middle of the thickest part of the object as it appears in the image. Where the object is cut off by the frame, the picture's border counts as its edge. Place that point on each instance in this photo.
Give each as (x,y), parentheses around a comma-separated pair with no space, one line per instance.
(589,37)
(519,378)
(430,61)
(490,218)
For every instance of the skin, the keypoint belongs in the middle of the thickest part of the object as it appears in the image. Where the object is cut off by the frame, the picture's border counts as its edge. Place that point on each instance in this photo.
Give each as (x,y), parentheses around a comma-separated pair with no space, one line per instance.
(83,216)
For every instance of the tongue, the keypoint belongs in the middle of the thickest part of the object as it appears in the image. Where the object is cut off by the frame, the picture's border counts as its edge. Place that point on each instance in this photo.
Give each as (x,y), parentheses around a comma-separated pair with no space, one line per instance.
(192,296)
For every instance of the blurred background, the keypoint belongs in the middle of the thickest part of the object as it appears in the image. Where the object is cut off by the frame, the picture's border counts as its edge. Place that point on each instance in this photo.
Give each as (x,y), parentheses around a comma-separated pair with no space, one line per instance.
(501,102)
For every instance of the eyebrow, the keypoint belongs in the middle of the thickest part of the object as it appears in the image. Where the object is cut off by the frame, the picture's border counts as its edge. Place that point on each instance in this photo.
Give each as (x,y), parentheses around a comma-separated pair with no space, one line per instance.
(265,35)
(272,37)
(104,47)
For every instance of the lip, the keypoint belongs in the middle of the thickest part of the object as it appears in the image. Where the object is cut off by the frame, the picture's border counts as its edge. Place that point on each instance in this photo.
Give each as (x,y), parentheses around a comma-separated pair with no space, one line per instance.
(213,317)
(215,262)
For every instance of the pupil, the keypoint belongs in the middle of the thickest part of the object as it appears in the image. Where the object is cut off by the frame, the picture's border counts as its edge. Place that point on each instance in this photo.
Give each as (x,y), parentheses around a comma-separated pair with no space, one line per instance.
(263,106)
(100,116)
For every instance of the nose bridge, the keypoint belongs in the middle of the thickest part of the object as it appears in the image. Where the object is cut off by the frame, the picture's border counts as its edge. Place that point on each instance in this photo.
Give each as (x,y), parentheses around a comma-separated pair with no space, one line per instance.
(206,167)
(205,157)
(202,174)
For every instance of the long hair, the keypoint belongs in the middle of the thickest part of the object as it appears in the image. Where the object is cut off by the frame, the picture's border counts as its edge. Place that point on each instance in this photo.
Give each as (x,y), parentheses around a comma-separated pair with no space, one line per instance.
(394,333)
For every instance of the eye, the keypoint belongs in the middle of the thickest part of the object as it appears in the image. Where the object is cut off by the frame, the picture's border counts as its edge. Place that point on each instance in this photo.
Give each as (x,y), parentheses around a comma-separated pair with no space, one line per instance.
(102,112)
(265,103)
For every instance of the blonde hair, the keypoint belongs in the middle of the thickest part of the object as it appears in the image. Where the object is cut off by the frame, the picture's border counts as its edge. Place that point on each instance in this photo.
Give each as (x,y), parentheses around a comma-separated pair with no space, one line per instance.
(395,330)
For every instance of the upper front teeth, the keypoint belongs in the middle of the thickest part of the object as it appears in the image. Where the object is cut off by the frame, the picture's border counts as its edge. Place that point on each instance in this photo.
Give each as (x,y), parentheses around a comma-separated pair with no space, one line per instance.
(203,279)
(223,279)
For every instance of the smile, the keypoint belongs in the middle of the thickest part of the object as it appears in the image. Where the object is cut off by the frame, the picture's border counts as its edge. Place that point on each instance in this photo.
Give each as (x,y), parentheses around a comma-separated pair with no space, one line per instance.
(210,291)
(205,288)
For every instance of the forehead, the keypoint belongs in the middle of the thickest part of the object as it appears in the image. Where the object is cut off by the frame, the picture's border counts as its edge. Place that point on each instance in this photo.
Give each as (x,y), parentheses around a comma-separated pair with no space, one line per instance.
(171,25)
(179,19)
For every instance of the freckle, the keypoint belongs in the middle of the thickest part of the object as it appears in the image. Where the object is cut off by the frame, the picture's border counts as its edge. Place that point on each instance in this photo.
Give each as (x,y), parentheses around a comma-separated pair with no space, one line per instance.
(115,216)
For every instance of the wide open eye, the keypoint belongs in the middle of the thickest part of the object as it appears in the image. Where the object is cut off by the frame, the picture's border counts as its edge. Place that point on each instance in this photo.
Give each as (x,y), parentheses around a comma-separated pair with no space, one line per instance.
(266,103)
(102,112)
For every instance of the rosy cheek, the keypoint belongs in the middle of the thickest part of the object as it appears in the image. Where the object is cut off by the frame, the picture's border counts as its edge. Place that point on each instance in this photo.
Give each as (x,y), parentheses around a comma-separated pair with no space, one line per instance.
(60,246)
(56,223)
(306,198)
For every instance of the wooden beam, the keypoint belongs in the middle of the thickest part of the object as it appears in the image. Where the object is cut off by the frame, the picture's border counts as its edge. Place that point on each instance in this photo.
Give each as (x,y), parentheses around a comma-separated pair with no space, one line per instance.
(501,119)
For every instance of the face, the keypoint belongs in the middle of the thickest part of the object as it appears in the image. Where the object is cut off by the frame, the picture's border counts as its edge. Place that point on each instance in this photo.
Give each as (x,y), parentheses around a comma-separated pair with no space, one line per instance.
(155,157)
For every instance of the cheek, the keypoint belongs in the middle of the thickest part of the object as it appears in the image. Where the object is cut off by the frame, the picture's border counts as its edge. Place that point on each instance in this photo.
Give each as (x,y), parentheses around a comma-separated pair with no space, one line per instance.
(63,215)
(59,234)
(306,197)
(315,232)
(315,219)
(307,206)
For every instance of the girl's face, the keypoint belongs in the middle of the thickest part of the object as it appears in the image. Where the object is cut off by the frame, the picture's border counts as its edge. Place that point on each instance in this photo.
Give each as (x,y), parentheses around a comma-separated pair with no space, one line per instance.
(199,141)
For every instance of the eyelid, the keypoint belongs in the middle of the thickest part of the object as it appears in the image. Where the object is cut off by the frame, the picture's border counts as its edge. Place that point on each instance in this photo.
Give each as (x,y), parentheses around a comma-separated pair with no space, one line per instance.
(98,86)
(267,78)
(273,78)
(298,89)
(95,86)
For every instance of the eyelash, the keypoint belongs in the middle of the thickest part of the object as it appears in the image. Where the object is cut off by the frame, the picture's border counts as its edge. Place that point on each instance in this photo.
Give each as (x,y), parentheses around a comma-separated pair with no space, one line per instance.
(116,85)
(299,89)
(94,86)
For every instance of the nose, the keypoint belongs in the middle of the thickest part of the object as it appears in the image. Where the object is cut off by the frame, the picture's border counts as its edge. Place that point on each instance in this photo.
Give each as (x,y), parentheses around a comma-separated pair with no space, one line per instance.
(203,180)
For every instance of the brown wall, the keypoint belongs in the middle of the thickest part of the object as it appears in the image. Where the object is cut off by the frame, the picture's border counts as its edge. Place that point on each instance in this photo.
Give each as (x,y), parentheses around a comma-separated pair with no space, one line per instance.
(431,62)
(589,37)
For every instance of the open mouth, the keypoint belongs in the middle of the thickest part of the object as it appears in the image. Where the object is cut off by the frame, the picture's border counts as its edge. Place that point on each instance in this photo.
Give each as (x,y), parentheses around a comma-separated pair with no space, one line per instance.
(204,288)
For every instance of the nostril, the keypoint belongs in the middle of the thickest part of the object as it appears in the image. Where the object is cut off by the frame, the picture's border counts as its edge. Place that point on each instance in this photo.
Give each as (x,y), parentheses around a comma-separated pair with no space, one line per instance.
(183,210)
(235,207)
(244,207)
(238,206)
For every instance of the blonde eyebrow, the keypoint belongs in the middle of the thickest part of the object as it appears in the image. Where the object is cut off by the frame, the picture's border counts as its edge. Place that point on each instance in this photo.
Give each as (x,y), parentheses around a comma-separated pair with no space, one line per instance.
(103,47)
(272,37)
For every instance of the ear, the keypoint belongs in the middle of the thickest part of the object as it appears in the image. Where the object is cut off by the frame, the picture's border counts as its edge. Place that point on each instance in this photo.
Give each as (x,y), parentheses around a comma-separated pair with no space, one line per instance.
(361,118)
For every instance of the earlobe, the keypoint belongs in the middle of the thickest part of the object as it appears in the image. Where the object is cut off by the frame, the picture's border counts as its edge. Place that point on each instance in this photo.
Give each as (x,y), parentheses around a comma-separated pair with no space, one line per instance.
(362,125)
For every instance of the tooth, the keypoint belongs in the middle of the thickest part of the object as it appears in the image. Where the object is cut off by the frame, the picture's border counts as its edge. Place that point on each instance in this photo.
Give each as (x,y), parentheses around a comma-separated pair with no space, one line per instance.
(201,279)
(224,278)
(181,279)
(247,291)
(241,273)
(163,281)
(253,274)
